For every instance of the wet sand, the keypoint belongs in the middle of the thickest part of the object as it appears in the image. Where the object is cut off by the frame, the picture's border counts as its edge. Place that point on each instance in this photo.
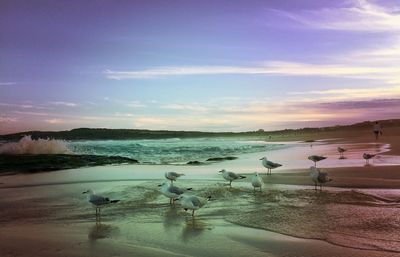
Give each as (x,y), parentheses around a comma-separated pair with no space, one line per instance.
(358,215)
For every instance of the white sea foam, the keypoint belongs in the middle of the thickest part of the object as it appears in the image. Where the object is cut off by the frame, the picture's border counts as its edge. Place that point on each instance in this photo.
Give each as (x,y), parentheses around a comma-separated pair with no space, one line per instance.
(27,145)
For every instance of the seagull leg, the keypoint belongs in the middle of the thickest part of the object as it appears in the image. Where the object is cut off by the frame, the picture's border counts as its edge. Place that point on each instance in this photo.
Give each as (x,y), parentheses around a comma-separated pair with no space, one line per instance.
(192,213)
(230,183)
(315,186)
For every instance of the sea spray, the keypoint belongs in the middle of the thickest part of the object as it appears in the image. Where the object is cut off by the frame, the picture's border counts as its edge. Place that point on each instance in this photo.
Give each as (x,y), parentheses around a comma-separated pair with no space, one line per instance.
(27,145)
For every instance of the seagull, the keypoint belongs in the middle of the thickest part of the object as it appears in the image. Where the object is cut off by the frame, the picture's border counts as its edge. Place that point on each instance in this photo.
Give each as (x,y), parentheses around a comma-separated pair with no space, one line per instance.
(173,176)
(341,151)
(192,202)
(98,201)
(269,165)
(316,158)
(368,156)
(230,176)
(172,192)
(256,181)
(318,177)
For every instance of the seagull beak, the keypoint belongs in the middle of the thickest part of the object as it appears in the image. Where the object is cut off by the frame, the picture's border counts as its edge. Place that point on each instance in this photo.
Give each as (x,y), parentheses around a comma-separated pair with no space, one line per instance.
(85,192)
(261,159)
(159,185)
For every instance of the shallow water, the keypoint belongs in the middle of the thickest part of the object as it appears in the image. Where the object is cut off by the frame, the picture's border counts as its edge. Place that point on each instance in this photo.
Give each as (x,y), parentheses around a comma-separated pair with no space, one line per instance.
(350,219)
(342,220)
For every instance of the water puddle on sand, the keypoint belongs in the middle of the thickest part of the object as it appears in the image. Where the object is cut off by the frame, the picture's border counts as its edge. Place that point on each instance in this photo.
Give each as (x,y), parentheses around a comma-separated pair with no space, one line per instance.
(353,219)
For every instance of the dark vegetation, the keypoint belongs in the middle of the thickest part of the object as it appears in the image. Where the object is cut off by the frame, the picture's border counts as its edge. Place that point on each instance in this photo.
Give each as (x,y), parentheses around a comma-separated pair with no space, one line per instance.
(122,134)
(27,163)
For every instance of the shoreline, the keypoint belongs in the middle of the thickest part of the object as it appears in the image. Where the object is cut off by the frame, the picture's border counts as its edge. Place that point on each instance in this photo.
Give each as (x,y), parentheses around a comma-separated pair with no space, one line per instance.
(355,215)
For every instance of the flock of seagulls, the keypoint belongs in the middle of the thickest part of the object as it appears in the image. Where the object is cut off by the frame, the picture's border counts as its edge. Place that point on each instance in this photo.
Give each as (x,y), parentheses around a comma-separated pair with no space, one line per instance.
(193,202)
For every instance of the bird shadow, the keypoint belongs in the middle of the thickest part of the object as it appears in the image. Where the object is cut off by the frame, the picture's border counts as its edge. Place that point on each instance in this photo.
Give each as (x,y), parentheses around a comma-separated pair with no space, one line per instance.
(193,228)
(342,158)
(171,217)
(101,231)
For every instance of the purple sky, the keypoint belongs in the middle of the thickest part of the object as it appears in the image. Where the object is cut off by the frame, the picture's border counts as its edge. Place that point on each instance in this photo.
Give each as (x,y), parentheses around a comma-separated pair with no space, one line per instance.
(197,65)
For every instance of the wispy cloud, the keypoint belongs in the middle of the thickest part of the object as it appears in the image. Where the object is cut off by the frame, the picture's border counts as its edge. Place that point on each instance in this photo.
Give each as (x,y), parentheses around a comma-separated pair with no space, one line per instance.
(32,113)
(54,121)
(349,70)
(7,83)
(60,103)
(185,107)
(23,106)
(7,119)
(361,15)
(350,93)
(136,104)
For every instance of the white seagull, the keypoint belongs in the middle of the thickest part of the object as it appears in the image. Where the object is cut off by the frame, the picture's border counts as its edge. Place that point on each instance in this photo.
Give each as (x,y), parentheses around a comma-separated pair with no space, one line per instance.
(269,165)
(256,181)
(316,158)
(318,177)
(341,151)
(368,156)
(172,176)
(97,200)
(172,192)
(192,202)
(230,176)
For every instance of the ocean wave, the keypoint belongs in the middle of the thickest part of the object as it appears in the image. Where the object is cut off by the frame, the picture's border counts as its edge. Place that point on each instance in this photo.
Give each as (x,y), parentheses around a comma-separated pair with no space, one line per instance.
(27,145)
(168,151)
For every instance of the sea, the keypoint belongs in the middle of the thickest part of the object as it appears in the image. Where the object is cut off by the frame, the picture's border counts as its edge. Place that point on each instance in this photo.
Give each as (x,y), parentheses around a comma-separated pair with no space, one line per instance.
(159,151)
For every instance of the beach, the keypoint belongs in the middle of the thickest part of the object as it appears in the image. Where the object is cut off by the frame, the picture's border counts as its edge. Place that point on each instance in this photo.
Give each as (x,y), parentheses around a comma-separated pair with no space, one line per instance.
(357,214)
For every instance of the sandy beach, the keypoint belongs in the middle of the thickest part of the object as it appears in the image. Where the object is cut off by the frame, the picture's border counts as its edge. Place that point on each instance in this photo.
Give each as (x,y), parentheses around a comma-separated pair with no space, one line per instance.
(45,214)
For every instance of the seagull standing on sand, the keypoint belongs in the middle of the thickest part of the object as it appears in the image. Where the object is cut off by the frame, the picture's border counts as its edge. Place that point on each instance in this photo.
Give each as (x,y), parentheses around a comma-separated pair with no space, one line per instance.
(256,181)
(269,165)
(230,176)
(316,158)
(192,202)
(98,201)
(341,151)
(172,176)
(318,177)
(368,156)
(172,192)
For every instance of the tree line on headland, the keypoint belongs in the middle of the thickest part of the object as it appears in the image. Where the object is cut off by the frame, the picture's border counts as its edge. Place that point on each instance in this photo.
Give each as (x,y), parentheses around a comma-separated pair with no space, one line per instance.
(125,134)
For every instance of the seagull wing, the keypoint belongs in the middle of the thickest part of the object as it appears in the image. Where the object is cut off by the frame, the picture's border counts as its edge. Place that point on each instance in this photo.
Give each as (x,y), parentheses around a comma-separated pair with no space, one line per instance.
(99,200)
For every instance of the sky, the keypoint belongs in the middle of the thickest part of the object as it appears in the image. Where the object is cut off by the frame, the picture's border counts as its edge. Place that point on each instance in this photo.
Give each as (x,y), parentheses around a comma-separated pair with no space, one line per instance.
(197,65)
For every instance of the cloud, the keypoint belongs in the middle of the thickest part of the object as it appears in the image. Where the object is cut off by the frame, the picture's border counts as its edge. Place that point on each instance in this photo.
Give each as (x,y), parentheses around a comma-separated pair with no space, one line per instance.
(23,106)
(68,104)
(388,73)
(350,93)
(32,113)
(7,83)
(136,104)
(54,121)
(7,119)
(185,107)
(361,15)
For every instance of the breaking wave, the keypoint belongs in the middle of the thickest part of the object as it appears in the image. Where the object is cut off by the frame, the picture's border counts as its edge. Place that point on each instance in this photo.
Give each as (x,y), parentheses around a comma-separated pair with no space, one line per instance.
(27,145)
